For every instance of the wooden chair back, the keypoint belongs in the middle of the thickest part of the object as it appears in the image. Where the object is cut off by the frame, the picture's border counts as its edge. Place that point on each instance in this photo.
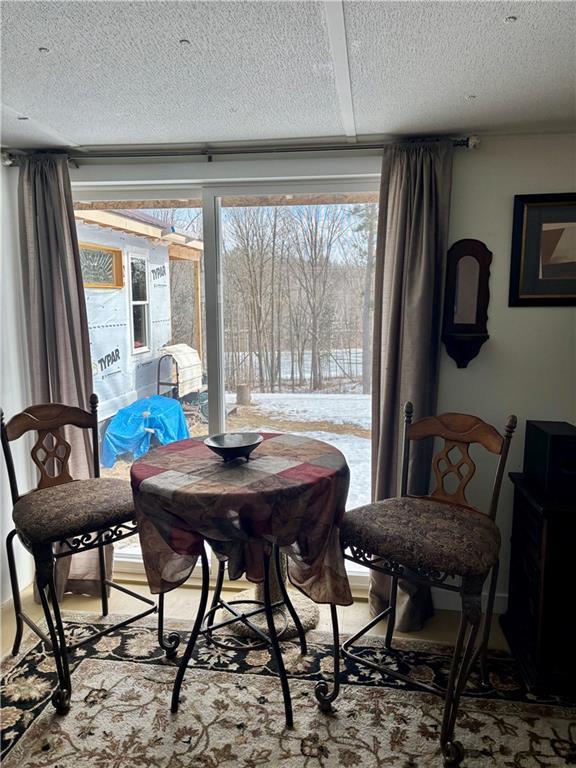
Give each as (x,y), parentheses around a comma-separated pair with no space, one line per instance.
(458,431)
(51,451)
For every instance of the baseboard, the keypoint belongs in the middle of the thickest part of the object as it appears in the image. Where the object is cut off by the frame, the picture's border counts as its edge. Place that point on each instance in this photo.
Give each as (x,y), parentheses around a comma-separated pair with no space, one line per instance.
(8,603)
(443,600)
(450,601)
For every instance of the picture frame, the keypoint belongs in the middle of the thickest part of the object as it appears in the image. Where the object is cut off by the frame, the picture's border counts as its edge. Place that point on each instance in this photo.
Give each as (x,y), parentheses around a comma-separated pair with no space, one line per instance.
(101,266)
(543,259)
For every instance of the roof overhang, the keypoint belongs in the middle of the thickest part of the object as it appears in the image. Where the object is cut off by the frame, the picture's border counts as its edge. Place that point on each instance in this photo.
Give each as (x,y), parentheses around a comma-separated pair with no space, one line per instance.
(111,219)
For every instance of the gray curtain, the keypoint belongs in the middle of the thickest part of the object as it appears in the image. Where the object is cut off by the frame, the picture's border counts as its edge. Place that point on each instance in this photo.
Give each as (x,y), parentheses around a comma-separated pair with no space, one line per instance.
(412,241)
(57,325)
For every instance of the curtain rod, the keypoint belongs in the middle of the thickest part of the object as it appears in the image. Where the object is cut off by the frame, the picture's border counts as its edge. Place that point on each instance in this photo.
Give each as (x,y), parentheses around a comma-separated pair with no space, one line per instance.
(470,142)
(208,152)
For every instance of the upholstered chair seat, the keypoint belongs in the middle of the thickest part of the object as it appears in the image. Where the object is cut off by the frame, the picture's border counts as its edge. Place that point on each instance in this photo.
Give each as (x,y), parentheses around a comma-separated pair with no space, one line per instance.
(425,535)
(71,509)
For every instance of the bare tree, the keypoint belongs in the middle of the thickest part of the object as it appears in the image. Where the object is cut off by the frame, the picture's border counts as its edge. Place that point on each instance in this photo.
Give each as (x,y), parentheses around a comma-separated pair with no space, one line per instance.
(363,242)
(292,280)
(315,233)
(188,220)
(252,244)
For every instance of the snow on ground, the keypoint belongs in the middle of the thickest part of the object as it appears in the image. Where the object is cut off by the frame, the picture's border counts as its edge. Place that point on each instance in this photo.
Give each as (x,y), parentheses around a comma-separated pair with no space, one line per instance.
(298,406)
(357,453)
(337,409)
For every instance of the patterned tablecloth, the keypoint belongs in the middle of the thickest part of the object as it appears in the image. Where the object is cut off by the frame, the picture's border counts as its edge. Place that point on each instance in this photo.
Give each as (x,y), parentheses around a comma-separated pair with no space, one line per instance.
(292,492)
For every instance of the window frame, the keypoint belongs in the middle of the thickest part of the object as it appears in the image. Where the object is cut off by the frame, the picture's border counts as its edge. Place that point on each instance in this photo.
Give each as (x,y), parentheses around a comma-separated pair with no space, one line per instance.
(211,192)
(142,255)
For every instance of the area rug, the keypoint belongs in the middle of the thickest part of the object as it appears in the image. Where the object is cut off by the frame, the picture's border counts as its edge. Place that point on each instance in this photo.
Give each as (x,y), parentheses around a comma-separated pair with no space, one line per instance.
(231,711)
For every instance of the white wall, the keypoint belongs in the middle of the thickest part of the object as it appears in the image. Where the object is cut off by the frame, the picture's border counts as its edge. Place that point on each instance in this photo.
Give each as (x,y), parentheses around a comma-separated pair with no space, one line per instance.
(528,366)
(14,387)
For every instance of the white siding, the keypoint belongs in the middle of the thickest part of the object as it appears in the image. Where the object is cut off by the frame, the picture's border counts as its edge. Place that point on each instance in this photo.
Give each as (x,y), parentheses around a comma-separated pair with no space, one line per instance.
(120,375)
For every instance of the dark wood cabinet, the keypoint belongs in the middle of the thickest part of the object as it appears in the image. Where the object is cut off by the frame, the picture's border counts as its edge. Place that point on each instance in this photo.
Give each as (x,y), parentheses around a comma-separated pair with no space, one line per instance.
(540,622)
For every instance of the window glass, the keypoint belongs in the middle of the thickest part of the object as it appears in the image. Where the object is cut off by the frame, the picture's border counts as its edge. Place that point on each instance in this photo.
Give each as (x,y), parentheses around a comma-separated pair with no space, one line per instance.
(155,298)
(298,281)
(138,269)
(139,324)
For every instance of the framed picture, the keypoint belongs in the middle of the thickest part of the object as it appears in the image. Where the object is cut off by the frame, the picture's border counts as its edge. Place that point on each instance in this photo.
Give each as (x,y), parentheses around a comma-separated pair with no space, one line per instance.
(543,264)
(101,266)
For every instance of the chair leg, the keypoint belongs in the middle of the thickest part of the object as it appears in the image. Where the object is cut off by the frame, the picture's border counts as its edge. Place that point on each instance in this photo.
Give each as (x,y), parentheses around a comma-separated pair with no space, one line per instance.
(276,652)
(194,634)
(103,585)
(288,603)
(453,751)
(484,679)
(44,563)
(392,613)
(16,601)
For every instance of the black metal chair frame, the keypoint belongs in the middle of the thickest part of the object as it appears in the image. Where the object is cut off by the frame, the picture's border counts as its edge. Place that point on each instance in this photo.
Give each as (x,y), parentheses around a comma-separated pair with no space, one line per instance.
(466,653)
(204,625)
(44,555)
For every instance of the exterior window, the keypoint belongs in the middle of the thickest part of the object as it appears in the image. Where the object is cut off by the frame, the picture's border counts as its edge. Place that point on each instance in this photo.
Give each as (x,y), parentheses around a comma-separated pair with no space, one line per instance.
(101,266)
(139,297)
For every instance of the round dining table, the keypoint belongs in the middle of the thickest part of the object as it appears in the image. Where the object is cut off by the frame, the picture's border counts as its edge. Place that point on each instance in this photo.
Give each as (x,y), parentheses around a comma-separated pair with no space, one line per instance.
(289,498)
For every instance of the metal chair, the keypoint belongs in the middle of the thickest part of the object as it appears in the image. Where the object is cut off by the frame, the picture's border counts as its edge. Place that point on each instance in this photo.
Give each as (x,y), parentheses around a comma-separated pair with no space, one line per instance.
(439,540)
(77,515)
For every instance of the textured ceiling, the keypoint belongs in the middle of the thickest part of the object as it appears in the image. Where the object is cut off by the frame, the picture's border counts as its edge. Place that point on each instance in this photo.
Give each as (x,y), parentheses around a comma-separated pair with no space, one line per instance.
(413,64)
(116,74)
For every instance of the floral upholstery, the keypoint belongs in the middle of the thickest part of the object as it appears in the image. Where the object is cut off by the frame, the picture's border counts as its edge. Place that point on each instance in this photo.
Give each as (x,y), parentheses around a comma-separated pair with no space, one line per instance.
(73,508)
(421,533)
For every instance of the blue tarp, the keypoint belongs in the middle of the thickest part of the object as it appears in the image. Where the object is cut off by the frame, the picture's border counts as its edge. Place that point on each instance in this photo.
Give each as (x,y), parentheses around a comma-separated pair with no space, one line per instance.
(128,431)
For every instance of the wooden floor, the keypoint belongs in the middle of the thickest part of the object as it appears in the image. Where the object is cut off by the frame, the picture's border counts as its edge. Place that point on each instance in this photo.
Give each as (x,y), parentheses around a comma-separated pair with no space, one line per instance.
(182,603)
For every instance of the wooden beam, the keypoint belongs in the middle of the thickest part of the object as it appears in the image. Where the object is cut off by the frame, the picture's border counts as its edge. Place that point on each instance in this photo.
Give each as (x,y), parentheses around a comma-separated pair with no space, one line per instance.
(119,223)
(183,253)
(242,201)
(183,242)
(319,198)
(136,204)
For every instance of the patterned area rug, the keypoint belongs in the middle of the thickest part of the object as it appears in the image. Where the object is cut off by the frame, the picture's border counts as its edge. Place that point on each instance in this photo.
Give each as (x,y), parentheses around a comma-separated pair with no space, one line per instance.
(231,712)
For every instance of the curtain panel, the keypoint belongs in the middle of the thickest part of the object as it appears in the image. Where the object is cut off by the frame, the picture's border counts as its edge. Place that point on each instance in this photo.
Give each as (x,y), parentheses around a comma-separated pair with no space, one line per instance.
(410,252)
(57,325)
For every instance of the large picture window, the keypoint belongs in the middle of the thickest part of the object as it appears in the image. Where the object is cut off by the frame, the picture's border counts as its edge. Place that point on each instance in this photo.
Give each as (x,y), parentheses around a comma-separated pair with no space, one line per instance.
(271,284)
(139,298)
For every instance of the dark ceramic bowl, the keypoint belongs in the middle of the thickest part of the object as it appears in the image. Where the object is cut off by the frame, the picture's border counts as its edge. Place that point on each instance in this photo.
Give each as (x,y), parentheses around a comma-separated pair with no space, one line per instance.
(234,445)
